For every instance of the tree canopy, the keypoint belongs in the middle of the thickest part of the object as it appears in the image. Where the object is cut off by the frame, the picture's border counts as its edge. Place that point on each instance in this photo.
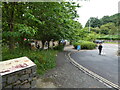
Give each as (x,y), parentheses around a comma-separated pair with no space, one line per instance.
(107,25)
(39,20)
(93,22)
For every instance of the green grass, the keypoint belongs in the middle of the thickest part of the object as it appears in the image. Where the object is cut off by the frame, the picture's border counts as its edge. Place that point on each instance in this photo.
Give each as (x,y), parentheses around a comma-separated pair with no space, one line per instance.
(45,59)
(111,42)
(109,37)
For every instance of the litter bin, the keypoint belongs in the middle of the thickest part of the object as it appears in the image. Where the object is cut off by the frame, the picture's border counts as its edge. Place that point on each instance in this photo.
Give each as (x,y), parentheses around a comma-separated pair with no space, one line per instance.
(78,47)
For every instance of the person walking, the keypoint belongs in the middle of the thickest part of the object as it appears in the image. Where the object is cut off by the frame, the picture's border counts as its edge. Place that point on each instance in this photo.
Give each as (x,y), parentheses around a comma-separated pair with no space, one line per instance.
(100,48)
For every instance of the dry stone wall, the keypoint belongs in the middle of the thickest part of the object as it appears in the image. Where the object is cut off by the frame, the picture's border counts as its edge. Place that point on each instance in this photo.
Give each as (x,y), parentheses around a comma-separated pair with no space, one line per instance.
(20,75)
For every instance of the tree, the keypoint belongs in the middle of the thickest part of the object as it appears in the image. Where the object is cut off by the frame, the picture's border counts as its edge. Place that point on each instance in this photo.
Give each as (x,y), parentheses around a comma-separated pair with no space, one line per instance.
(14,28)
(105,20)
(9,20)
(73,33)
(83,33)
(113,29)
(43,21)
(96,30)
(115,19)
(108,28)
(57,18)
(91,36)
(93,22)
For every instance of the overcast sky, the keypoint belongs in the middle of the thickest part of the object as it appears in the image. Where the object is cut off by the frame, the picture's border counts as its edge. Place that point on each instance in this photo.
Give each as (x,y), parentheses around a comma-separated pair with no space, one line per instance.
(96,8)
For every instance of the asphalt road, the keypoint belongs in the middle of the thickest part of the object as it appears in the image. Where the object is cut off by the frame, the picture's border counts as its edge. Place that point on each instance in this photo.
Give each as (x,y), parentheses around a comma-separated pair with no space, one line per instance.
(105,65)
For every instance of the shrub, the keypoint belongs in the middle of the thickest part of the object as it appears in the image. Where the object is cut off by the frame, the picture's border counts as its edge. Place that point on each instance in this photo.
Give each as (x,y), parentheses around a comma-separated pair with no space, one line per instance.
(59,47)
(85,45)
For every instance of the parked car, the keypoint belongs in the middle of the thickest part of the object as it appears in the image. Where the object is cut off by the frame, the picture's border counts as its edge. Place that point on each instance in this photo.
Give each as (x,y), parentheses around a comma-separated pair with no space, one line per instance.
(98,41)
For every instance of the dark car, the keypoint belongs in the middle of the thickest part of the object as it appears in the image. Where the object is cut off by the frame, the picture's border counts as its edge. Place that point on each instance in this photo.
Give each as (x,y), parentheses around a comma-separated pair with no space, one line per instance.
(98,41)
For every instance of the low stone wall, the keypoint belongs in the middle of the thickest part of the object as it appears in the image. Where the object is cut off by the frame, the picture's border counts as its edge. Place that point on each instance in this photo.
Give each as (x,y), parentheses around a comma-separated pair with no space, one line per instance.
(21,77)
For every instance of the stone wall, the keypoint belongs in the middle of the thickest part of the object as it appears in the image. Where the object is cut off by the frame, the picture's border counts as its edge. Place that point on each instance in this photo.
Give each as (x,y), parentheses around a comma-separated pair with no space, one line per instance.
(22,78)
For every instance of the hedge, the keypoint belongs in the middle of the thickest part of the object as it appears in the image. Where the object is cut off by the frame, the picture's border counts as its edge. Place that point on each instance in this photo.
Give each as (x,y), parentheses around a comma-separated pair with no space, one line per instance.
(85,45)
(59,48)
(110,37)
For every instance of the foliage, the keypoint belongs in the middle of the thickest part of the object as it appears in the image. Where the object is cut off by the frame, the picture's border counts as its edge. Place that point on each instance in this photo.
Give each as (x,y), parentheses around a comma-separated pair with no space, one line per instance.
(96,30)
(13,25)
(109,37)
(39,20)
(85,34)
(91,36)
(43,59)
(85,44)
(43,21)
(111,19)
(57,18)
(105,19)
(107,25)
(93,22)
(108,28)
(59,47)
(112,42)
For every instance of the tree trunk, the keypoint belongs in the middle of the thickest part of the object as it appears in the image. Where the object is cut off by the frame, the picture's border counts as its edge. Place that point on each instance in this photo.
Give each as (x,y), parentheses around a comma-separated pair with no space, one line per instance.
(48,44)
(70,42)
(11,27)
(11,44)
(43,43)
(11,39)
(59,42)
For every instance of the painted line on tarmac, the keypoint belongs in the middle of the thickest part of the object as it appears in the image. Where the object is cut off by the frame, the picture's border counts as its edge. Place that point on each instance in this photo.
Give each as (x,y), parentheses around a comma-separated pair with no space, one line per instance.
(92,74)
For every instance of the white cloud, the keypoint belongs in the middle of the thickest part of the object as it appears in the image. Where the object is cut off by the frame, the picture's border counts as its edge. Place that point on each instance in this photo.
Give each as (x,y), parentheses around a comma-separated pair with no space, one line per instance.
(96,8)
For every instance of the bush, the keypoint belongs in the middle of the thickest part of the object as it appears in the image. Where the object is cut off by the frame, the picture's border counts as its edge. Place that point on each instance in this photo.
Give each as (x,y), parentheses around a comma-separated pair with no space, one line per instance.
(45,59)
(85,45)
(59,47)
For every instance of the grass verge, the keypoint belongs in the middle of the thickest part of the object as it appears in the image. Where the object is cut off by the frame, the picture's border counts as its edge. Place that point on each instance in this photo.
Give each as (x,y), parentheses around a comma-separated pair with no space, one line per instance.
(45,59)
(112,42)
